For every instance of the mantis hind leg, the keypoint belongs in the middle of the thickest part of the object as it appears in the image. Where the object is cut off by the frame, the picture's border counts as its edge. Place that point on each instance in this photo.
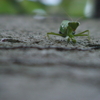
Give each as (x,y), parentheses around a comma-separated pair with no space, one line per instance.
(71,39)
(82,34)
(52,33)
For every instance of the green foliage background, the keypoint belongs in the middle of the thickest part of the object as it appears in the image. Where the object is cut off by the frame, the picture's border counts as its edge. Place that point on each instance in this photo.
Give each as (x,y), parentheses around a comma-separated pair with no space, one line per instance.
(71,7)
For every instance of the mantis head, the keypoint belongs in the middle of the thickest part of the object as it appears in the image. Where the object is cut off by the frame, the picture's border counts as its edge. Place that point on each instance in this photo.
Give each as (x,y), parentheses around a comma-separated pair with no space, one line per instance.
(73,25)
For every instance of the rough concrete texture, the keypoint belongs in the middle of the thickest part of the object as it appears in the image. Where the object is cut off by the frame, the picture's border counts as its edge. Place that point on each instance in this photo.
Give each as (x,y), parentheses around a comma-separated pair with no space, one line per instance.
(33,67)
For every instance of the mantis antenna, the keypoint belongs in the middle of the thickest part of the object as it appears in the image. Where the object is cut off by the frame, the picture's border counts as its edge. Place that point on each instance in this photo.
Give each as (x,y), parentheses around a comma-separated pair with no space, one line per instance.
(69,17)
(79,18)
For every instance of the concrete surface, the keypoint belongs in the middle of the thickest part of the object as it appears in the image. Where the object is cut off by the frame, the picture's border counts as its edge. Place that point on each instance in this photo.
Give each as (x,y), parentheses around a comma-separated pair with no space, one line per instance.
(33,67)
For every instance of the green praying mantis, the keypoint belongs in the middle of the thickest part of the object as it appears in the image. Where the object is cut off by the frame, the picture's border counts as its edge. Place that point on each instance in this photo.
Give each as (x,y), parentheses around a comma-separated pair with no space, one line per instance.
(67,30)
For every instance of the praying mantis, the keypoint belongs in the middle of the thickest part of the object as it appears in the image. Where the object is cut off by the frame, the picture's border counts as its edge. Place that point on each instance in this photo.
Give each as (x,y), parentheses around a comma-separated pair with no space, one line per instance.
(67,30)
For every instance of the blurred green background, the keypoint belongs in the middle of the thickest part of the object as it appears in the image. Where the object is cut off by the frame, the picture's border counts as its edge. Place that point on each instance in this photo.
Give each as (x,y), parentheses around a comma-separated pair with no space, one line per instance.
(70,7)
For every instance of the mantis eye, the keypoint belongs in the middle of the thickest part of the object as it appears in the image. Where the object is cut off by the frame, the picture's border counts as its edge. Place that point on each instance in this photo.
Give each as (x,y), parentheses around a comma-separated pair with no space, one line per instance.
(60,32)
(77,24)
(73,32)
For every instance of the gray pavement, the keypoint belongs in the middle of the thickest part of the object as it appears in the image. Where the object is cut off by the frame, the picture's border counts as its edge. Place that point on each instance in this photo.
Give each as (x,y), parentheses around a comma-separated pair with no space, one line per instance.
(33,67)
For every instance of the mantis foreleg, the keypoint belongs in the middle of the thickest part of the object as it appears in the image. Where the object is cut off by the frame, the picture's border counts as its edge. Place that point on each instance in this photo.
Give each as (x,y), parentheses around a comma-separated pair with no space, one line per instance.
(52,33)
(82,34)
